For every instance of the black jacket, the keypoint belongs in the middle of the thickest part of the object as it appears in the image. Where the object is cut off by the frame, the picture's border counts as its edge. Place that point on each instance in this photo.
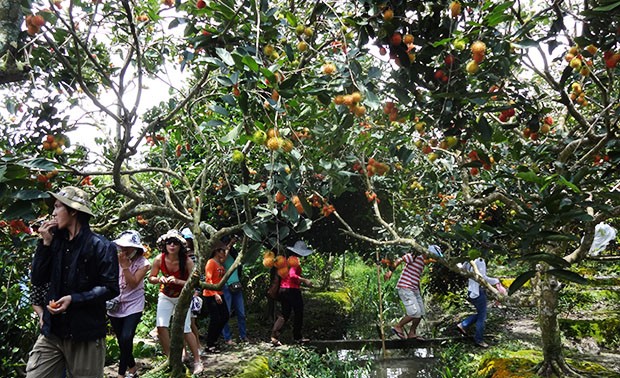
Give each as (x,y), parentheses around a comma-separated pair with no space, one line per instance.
(92,279)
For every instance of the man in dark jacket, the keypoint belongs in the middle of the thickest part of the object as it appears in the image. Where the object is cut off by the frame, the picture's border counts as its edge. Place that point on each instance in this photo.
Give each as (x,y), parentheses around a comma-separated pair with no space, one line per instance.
(81,268)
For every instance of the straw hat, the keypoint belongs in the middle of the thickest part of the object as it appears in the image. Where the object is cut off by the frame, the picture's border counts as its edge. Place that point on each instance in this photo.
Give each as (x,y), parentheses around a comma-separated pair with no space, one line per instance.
(129,238)
(75,198)
(300,248)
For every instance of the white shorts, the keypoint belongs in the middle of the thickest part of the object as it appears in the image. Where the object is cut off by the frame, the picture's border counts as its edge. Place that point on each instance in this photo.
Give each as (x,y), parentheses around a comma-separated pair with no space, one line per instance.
(165,309)
(414,305)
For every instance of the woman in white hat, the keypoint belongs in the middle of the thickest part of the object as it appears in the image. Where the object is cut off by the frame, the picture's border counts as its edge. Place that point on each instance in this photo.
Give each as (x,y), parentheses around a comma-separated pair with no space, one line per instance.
(290,297)
(175,267)
(125,311)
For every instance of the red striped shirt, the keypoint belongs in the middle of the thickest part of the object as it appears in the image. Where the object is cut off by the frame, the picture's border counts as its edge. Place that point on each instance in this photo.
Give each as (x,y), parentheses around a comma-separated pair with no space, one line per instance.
(410,277)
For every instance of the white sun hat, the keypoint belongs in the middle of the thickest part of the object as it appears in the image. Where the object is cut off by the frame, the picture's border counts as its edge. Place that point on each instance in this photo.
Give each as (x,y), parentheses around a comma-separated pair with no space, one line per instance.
(129,238)
(300,248)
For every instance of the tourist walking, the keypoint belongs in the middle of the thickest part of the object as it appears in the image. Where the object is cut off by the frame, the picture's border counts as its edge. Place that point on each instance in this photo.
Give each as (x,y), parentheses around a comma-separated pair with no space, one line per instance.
(125,311)
(289,294)
(175,267)
(477,296)
(81,269)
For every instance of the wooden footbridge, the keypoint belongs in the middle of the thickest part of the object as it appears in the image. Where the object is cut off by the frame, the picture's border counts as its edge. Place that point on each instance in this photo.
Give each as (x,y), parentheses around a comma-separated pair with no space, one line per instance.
(389,343)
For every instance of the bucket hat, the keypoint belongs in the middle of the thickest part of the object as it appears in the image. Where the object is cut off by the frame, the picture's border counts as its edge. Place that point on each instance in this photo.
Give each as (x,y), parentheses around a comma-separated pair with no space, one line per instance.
(75,198)
(300,248)
(187,233)
(129,238)
(435,250)
(171,234)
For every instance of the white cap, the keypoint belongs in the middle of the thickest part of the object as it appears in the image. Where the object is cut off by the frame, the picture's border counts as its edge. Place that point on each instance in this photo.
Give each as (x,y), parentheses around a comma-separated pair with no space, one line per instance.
(435,250)
(300,248)
(187,233)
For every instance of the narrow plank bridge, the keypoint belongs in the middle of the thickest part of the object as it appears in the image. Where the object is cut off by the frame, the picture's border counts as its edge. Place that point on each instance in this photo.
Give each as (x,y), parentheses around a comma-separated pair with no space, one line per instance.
(389,343)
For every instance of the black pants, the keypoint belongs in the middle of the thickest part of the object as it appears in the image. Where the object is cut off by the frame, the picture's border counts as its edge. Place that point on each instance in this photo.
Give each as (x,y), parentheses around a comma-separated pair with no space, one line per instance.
(125,330)
(218,317)
(292,301)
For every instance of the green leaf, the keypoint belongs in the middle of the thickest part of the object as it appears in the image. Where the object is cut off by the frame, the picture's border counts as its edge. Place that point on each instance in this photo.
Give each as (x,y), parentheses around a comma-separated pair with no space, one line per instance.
(530,176)
(607,8)
(220,110)
(225,56)
(31,194)
(252,232)
(556,236)
(39,163)
(250,63)
(568,276)
(549,258)
(520,281)
(485,130)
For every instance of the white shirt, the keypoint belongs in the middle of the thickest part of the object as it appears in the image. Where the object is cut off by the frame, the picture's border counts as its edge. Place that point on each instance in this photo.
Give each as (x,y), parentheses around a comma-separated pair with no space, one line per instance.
(473,287)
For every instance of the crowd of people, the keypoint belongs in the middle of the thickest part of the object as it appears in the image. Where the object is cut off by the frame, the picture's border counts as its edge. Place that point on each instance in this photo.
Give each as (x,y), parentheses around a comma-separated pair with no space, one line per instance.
(80,281)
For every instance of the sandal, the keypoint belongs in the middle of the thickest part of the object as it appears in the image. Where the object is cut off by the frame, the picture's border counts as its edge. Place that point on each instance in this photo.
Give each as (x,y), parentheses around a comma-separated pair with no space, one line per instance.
(212,349)
(461,329)
(398,333)
(275,342)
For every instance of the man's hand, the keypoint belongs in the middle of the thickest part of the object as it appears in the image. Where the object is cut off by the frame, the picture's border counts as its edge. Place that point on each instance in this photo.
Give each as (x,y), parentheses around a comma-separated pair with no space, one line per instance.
(59,306)
(46,231)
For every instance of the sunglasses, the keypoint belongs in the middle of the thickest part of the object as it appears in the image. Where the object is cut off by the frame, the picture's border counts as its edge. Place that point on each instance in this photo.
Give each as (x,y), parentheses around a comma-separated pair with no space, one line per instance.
(172,241)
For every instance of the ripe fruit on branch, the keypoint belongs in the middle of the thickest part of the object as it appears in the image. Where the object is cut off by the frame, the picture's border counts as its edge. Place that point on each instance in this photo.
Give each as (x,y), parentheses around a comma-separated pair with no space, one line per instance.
(329,68)
(274,143)
(408,39)
(38,20)
(472,67)
(396,39)
(449,60)
(478,47)
(388,15)
(308,32)
(201,4)
(455,9)
(302,46)
(575,63)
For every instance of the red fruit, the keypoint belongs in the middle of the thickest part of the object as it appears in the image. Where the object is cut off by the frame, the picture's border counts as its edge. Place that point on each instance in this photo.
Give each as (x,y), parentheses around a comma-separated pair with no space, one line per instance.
(474,171)
(473,155)
(548,120)
(439,74)
(503,117)
(382,51)
(201,4)
(38,21)
(449,60)
(396,39)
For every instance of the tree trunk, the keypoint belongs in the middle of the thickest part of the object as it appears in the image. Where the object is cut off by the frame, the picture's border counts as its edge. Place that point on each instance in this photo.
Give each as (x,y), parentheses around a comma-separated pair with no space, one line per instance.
(553,363)
(10,22)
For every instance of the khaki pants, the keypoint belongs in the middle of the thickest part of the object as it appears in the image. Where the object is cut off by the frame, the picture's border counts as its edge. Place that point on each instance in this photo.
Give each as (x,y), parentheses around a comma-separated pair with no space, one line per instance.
(51,356)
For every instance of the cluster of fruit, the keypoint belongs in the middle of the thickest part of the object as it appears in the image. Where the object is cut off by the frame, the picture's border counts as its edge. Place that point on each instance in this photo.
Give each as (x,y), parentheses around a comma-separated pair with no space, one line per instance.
(141,220)
(390,109)
(445,198)
(372,196)
(86,181)
(478,51)
(304,33)
(487,162)
(179,149)
(611,59)
(273,140)
(373,167)
(16,226)
(440,74)
(45,178)
(576,60)
(280,262)
(54,144)
(506,114)
(151,140)
(578,94)
(351,101)
(34,23)
(598,160)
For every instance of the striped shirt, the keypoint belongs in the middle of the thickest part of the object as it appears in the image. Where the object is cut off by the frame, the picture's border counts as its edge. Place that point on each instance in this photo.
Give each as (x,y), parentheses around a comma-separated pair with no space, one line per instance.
(410,277)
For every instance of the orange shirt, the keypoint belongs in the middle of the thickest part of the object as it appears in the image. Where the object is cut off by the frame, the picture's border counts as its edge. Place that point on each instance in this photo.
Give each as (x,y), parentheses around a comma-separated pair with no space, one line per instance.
(214,272)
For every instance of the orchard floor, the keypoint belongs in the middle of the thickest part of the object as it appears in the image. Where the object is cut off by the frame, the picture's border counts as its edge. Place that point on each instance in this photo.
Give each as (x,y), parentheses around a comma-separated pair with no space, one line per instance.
(506,326)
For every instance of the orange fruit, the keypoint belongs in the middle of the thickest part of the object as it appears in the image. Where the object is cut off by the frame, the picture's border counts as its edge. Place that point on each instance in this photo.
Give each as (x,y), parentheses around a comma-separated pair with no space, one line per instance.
(478,47)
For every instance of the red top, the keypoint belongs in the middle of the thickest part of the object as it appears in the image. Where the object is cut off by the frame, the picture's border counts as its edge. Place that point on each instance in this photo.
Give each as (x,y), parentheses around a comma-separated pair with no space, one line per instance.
(292,281)
(214,272)
(171,290)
